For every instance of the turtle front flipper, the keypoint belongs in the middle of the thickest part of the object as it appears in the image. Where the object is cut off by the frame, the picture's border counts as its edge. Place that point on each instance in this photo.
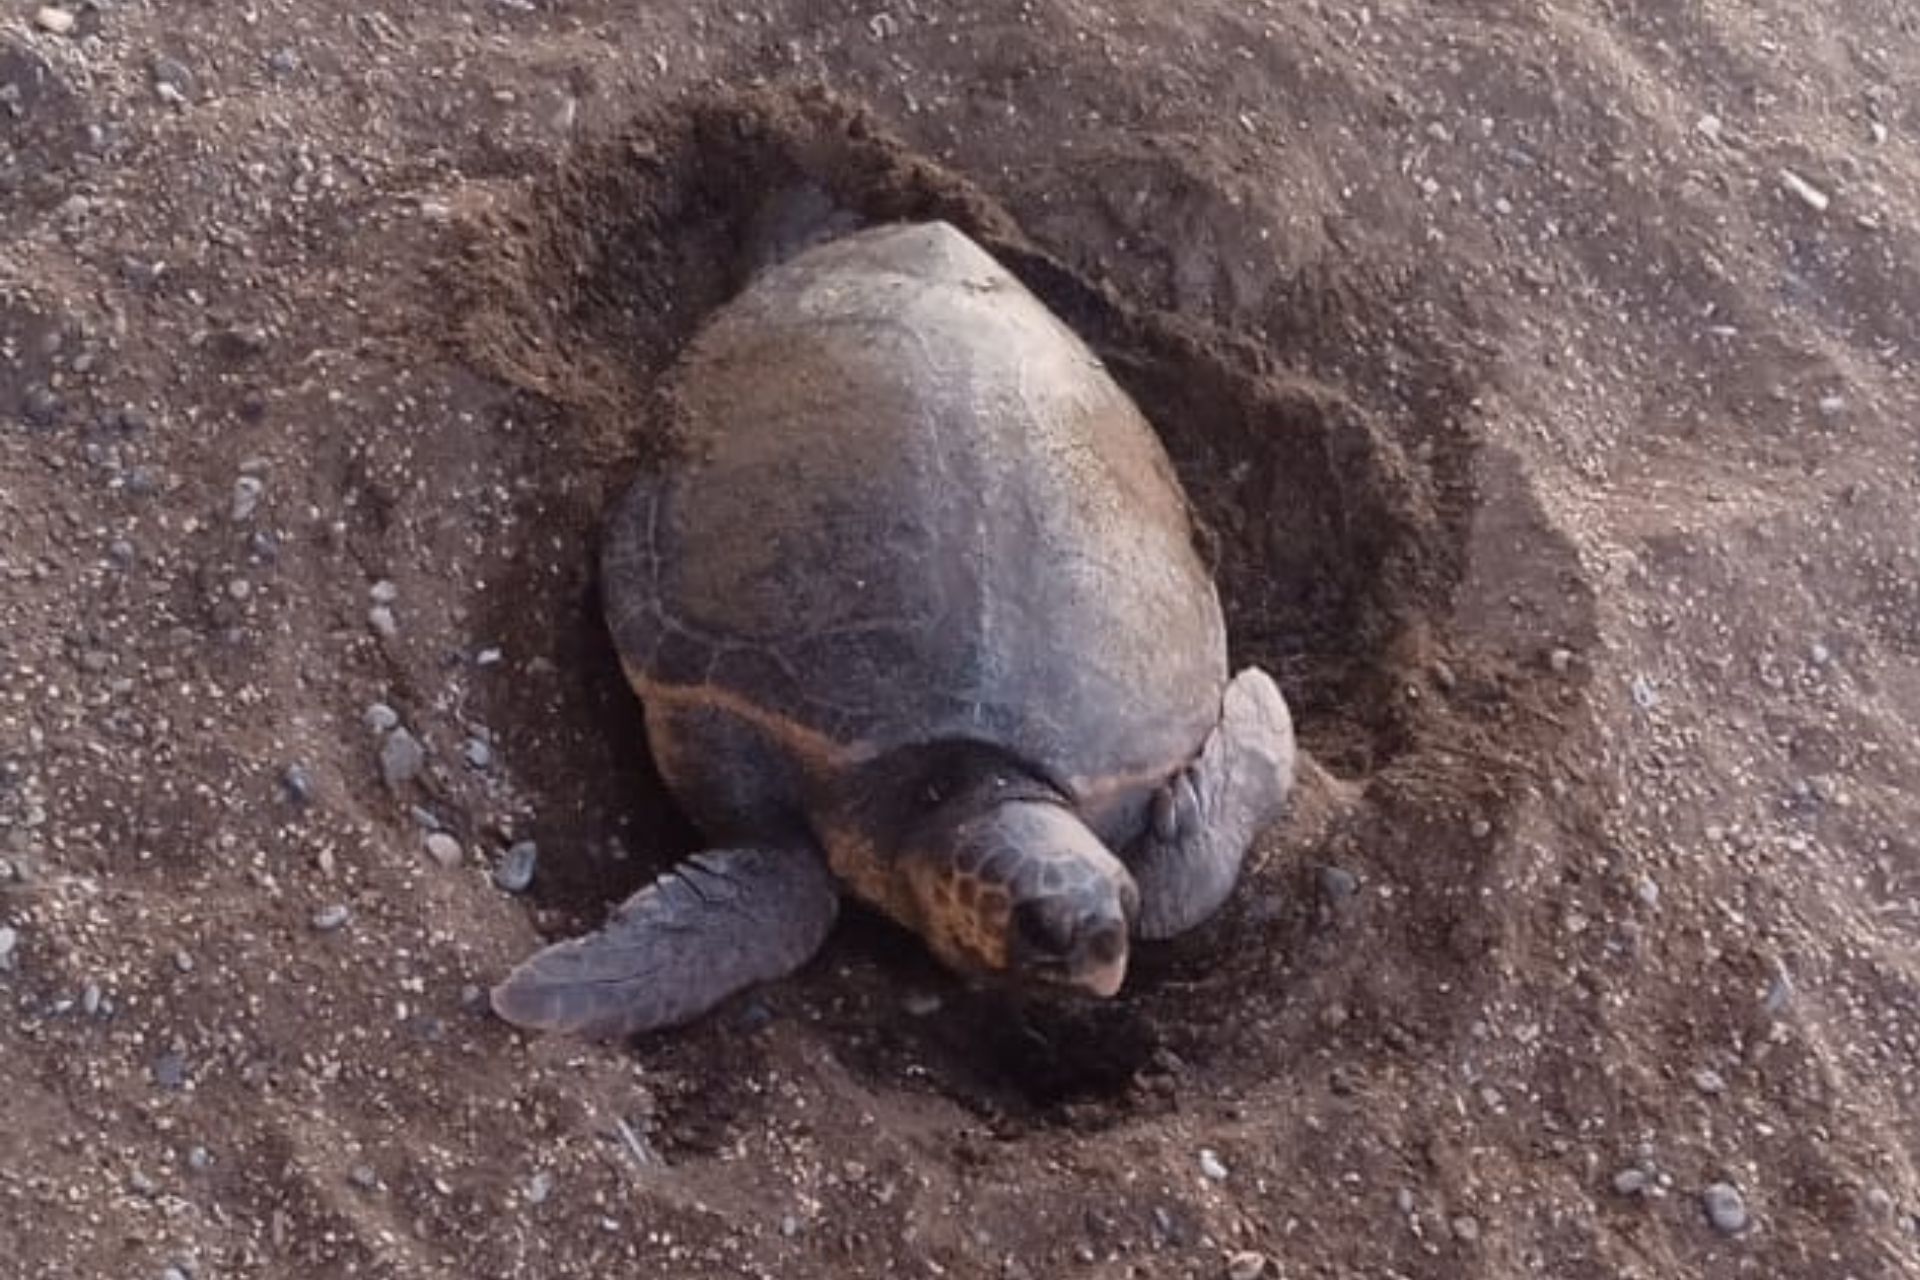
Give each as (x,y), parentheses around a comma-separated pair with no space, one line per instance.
(1202,822)
(719,922)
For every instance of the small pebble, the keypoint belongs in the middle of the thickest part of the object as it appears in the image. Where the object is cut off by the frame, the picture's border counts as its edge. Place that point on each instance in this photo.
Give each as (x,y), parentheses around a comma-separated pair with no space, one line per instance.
(1645,696)
(1211,1168)
(401,758)
(54,21)
(283,62)
(1820,654)
(1466,1230)
(40,407)
(1246,1266)
(183,961)
(789,1226)
(1880,1201)
(1725,1207)
(363,1176)
(140,1184)
(1832,406)
(332,917)
(380,717)
(1709,1081)
(1338,883)
(425,818)
(381,619)
(383,592)
(1403,1200)
(237,342)
(175,1273)
(170,1071)
(90,999)
(478,753)
(9,941)
(247,491)
(171,79)
(1647,889)
(1560,661)
(921,1005)
(539,1187)
(1779,994)
(514,872)
(1811,196)
(443,849)
(298,785)
(199,1160)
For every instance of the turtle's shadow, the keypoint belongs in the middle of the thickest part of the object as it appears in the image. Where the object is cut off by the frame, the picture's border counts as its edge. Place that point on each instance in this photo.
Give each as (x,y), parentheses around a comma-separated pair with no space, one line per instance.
(895,1014)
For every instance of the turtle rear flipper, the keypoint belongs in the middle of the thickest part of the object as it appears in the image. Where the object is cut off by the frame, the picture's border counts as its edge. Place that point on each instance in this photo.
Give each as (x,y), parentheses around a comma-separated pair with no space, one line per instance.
(719,922)
(1187,860)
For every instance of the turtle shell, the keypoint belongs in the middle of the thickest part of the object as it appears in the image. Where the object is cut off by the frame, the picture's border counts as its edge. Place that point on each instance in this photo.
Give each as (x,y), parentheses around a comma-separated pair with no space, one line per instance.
(913,509)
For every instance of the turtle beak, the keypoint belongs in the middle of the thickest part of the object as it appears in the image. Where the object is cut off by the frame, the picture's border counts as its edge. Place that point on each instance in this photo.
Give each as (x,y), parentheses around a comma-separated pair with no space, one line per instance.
(1073,947)
(1101,956)
(1099,963)
(1105,980)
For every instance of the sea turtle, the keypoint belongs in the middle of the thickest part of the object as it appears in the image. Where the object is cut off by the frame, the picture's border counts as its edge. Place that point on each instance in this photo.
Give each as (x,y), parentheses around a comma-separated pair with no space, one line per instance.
(917,614)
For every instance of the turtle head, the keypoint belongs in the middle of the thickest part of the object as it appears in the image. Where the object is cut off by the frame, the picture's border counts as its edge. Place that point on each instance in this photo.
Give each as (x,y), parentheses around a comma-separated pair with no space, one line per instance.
(1019,890)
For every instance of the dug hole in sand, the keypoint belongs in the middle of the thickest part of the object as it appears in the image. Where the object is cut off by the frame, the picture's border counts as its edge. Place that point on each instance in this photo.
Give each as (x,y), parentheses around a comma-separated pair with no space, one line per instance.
(1344,531)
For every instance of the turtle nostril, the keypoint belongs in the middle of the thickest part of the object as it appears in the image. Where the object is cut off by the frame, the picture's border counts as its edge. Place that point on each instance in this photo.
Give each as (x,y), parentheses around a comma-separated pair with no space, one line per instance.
(1044,928)
(1107,943)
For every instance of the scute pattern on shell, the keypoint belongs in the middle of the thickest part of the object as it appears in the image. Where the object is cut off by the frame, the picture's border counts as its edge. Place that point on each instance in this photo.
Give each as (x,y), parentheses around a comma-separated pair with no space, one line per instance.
(914,508)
